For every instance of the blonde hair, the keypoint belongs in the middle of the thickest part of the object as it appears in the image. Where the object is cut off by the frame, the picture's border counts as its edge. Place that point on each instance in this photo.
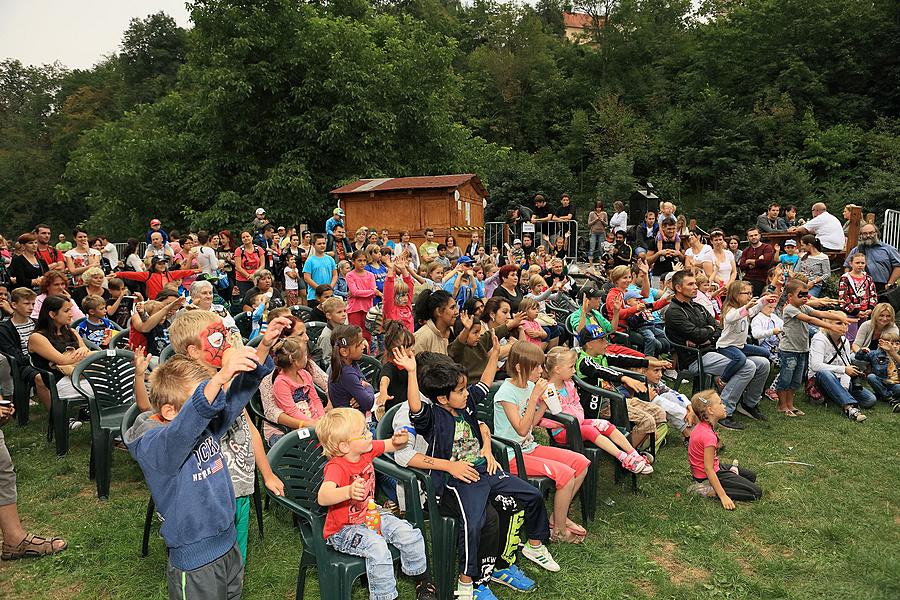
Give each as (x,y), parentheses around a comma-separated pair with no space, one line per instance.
(370,251)
(281,311)
(536,281)
(333,304)
(558,356)
(186,328)
(87,274)
(700,402)
(400,288)
(151,306)
(881,307)
(735,288)
(91,302)
(338,425)
(288,352)
(619,272)
(528,304)
(174,381)
(890,336)
(526,356)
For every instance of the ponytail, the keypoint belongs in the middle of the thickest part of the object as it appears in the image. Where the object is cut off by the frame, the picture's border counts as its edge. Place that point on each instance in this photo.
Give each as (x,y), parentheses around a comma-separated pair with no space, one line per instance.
(343,336)
(429,302)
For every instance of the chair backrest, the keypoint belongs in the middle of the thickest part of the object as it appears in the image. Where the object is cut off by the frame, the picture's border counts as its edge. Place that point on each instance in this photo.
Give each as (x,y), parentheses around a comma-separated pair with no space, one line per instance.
(304,313)
(130,417)
(110,375)
(594,398)
(244,323)
(120,340)
(77,322)
(385,427)
(314,329)
(486,407)
(256,409)
(297,460)
(166,354)
(371,369)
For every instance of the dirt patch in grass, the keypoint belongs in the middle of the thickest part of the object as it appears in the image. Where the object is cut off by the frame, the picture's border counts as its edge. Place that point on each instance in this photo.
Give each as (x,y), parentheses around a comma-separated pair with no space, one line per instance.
(763,550)
(644,586)
(663,553)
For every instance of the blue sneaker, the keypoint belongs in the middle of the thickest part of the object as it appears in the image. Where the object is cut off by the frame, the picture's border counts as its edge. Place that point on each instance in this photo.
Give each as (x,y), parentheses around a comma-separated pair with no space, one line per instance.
(513,577)
(482,592)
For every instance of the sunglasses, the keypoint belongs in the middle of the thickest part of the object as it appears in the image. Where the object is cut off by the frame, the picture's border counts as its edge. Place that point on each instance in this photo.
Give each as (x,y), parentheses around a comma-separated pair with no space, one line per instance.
(803,294)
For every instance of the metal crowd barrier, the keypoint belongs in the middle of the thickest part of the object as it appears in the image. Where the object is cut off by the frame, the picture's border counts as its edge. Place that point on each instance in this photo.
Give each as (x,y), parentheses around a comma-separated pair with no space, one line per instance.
(498,233)
(890,229)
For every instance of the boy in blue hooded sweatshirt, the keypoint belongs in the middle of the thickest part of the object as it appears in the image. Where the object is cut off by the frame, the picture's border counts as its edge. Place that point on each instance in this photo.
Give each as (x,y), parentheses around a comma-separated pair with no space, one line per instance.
(177,445)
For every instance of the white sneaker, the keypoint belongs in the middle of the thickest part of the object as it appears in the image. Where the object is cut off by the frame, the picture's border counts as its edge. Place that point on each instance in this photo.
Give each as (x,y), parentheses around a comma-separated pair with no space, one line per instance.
(75,424)
(854,414)
(541,556)
(671,374)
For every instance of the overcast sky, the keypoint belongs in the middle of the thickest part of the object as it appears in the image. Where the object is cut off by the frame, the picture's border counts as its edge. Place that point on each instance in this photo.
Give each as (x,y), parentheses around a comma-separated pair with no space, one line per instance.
(77,33)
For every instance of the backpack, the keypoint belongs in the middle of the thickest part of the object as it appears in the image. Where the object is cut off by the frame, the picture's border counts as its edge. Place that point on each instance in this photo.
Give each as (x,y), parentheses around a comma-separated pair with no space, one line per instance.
(375,320)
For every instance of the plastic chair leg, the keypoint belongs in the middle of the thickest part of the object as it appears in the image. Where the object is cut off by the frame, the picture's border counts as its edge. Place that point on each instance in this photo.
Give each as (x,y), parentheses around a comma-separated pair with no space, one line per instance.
(148,521)
(257,504)
(103,456)
(21,400)
(61,426)
(301,575)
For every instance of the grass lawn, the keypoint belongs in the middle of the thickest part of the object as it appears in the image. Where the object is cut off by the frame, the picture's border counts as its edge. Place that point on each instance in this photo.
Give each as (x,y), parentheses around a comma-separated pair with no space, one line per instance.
(831,530)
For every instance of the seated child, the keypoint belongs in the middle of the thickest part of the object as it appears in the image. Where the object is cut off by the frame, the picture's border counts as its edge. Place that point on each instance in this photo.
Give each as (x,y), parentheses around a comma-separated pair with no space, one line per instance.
(677,406)
(119,305)
(293,390)
(518,407)
(348,490)
(790,258)
(95,328)
(475,340)
(885,378)
(560,367)
(729,484)
(737,309)
(347,386)
(707,296)
(643,322)
(449,427)
(335,311)
(178,446)
(529,329)
(322,293)
(593,366)
(767,328)
(394,379)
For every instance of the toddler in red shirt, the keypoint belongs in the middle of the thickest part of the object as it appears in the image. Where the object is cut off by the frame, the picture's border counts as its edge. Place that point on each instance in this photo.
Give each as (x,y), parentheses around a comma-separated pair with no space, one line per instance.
(347,490)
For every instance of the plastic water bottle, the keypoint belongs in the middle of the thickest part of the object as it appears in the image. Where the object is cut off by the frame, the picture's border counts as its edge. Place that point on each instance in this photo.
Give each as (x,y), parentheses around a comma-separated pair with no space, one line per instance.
(373,518)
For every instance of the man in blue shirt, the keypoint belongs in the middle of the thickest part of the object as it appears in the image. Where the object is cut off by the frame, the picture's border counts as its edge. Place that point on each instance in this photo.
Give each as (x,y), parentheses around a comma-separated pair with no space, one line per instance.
(882,260)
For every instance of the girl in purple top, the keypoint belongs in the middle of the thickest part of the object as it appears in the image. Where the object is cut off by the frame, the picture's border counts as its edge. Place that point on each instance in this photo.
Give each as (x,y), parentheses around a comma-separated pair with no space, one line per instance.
(729,484)
(347,386)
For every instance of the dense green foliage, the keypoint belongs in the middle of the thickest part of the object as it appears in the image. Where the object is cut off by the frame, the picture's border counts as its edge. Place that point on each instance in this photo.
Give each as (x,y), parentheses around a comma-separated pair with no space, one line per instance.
(272,103)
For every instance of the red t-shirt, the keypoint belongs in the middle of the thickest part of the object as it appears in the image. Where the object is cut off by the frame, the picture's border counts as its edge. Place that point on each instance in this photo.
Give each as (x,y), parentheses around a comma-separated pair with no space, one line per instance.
(342,472)
(702,436)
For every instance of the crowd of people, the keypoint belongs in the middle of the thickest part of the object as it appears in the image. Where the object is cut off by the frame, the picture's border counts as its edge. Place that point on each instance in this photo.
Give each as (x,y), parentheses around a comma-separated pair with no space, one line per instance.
(456,327)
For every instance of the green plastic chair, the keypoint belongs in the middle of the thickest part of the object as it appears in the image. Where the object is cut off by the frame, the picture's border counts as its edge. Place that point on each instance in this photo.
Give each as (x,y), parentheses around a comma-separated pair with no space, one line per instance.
(314,329)
(167,353)
(128,420)
(60,408)
(120,340)
(244,323)
(371,370)
(304,313)
(110,375)
(298,461)
(21,391)
(700,380)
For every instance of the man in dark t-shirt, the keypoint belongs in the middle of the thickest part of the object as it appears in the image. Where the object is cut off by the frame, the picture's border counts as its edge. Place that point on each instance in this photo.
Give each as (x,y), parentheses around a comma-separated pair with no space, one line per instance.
(564,215)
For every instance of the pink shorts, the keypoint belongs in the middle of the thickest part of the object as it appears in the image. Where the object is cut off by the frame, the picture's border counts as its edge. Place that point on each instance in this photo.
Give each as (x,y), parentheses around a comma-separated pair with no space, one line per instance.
(558,464)
(591,429)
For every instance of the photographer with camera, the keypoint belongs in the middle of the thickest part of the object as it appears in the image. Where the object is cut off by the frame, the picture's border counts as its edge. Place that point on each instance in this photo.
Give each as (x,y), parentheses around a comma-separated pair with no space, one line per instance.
(837,375)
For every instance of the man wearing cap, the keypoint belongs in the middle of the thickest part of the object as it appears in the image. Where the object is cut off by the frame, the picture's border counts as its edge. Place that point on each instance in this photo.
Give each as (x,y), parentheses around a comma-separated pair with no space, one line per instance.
(882,260)
(260,222)
(156,227)
(689,324)
(463,284)
(337,218)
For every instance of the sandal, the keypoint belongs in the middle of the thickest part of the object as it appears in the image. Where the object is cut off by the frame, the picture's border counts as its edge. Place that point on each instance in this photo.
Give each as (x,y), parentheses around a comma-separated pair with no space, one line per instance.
(569,537)
(32,546)
(798,412)
(788,413)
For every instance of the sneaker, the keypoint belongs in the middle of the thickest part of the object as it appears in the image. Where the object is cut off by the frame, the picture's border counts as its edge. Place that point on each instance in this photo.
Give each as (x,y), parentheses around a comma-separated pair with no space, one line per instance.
(895,406)
(483,592)
(720,383)
(854,414)
(74,424)
(425,590)
(753,412)
(513,577)
(541,556)
(730,423)
(635,463)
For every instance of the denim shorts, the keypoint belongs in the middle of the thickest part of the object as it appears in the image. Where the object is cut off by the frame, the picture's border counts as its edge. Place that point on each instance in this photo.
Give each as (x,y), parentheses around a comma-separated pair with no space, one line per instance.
(792,370)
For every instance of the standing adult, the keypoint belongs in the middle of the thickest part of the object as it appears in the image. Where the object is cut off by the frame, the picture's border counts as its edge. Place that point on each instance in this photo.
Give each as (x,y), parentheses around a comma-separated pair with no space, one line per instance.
(63,245)
(646,232)
(826,227)
(665,252)
(814,264)
(882,260)
(541,214)
(248,259)
(385,240)
(359,242)
(109,251)
(564,215)
(406,246)
(156,227)
(848,212)
(697,252)
(50,255)
(157,248)
(689,324)
(453,252)
(338,246)
(756,260)
(206,254)
(428,248)
(82,257)
(27,268)
(769,221)
(619,221)
(598,221)
(474,245)
(723,269)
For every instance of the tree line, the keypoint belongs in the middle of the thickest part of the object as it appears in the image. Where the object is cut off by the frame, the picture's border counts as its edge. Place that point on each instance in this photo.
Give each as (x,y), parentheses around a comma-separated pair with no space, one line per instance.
(275,102)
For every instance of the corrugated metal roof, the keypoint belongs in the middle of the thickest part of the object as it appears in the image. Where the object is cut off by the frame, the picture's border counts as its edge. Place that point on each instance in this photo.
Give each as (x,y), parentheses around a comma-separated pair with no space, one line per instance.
(408,183)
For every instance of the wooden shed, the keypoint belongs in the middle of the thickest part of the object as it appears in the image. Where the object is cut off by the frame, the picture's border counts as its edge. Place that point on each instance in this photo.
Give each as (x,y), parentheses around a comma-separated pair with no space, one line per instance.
(445,203)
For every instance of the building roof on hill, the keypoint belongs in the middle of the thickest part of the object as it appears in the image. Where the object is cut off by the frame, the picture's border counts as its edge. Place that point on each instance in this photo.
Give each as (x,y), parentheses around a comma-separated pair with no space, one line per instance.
(577,20)
(408,183)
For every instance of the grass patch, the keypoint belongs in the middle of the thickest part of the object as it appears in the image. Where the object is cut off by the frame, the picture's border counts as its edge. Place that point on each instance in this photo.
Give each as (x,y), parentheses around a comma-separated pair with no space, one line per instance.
(831,530)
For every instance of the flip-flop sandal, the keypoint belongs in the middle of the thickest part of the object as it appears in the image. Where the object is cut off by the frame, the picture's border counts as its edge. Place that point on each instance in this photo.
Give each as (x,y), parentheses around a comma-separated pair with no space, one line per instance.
(32,546)
(799,413)
(788,413)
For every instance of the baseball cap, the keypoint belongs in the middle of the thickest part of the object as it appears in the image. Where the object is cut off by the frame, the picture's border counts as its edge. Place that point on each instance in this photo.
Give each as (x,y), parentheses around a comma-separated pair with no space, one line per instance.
(339,212)
(517,241)
(593,293)
(260,211)
(154,222)
(464,260)
(790,243)
(633,294)
(590,333)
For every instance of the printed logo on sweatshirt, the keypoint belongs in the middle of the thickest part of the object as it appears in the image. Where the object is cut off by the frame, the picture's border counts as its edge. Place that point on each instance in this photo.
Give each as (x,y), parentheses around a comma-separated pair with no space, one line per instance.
(206,450)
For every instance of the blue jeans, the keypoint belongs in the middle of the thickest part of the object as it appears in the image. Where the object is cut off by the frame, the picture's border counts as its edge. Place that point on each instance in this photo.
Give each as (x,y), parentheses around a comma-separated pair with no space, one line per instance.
(883,388)
(792,371)
(655,341)
(830,386)
(739,356)
(815,290)
(553,332)
(746,386)
(359,540)
(596,243)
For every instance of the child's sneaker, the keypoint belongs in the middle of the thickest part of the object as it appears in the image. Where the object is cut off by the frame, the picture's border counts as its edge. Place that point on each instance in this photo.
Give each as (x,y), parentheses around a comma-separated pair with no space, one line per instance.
(75,424)
(425,590)
(469,592)
(513,577)
(635,463)
(541,556)
(854,414)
